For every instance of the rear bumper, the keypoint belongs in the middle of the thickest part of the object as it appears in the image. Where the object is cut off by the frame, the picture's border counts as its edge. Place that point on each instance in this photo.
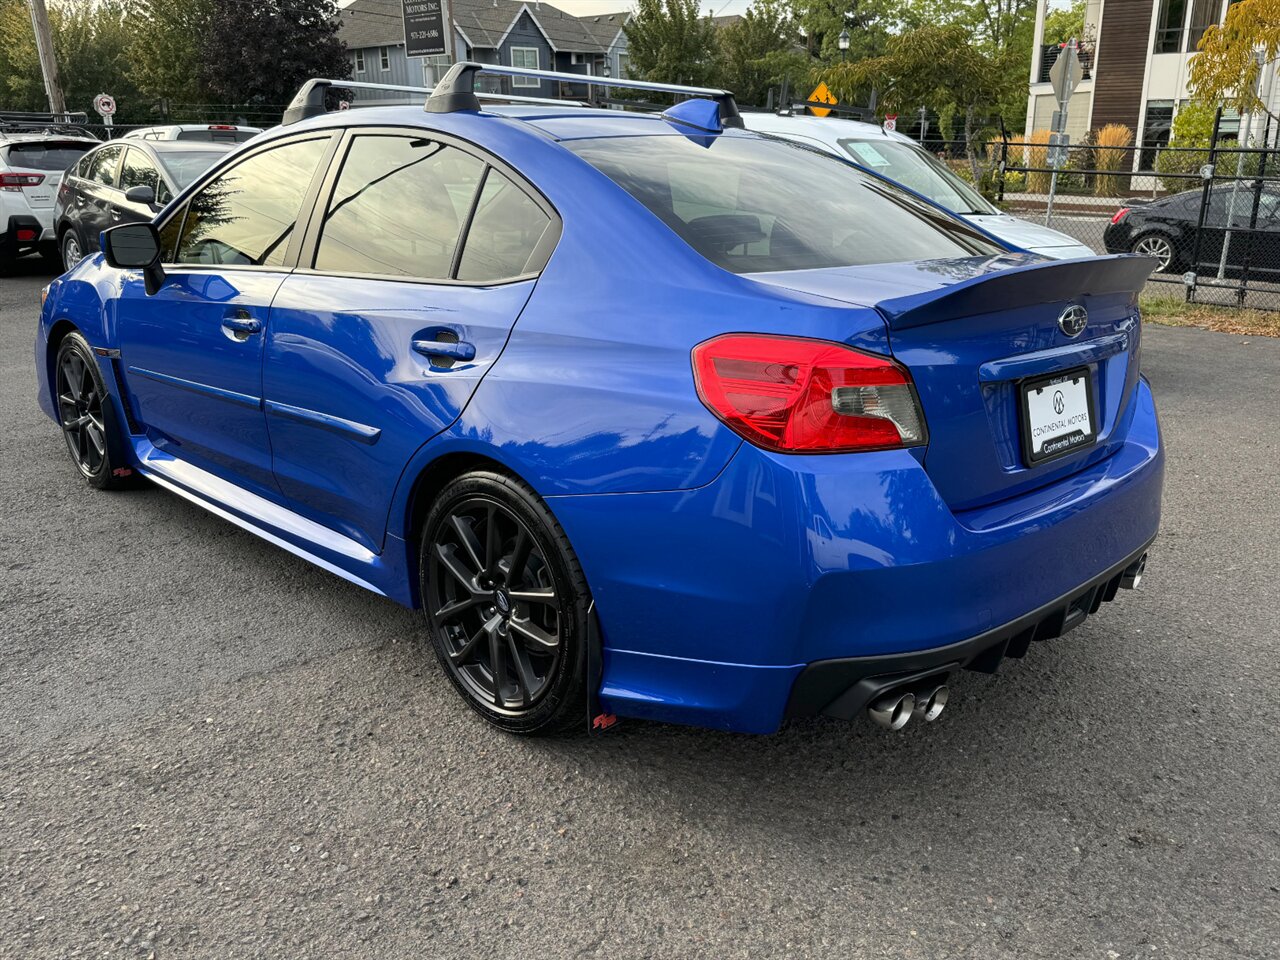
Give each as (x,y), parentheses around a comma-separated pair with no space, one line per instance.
(728,594)
(22,233)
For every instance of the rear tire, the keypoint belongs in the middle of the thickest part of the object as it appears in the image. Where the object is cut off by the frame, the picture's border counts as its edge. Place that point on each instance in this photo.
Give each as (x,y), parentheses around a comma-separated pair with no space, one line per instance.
(506,605)
(1160,248)
(69,248)
(87,417)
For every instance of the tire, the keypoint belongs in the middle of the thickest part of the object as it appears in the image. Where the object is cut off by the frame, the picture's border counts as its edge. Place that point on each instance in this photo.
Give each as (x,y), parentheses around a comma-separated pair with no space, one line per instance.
(500,581)
(70,249)
(87,417)
(1160,247)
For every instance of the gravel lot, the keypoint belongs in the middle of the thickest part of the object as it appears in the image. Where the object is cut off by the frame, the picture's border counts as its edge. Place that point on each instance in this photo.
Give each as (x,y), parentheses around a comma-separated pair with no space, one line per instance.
(211,749)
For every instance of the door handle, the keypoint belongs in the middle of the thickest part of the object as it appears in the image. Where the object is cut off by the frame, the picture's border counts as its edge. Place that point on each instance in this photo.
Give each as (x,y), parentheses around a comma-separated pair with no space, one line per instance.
(116,213)
(241,325)
(461,350)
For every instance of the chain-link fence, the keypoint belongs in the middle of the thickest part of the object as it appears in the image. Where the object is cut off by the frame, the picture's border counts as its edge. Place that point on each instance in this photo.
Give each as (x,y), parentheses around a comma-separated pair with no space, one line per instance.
(1210,216)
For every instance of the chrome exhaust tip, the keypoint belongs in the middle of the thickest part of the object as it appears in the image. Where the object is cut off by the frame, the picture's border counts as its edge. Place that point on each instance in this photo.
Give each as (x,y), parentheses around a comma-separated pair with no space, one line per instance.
(931,703)
(1132,575)
(893,710)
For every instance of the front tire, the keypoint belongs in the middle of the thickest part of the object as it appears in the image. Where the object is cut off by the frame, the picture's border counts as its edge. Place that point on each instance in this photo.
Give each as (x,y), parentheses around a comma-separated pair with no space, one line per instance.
(506,604)
(86,416)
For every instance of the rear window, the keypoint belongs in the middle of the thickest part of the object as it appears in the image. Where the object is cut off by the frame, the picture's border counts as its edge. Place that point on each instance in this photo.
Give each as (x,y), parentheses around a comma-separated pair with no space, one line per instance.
(218,136)
(45,155)
(754,205)
(185,168)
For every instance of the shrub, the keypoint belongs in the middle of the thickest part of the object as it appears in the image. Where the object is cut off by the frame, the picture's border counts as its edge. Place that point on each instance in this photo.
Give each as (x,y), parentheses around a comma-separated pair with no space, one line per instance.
(1111,153)
(1038,156)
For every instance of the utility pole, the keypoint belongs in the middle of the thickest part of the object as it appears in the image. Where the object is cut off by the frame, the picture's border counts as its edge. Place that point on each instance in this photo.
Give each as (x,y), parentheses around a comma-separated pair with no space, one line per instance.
(48,61)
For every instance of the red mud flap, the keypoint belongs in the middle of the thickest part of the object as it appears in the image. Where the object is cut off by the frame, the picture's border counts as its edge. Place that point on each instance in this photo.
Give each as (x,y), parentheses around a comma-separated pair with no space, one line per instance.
(598,721)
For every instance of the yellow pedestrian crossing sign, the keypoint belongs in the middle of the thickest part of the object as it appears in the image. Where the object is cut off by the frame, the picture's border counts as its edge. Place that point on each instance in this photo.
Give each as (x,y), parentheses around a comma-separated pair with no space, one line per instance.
(822,95)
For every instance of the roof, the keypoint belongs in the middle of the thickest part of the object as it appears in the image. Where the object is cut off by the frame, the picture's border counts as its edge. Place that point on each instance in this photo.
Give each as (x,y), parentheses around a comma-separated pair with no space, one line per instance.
(485,23)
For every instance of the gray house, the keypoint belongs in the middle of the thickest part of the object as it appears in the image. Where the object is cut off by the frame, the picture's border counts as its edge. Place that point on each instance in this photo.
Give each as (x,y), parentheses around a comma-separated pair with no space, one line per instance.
(521,34)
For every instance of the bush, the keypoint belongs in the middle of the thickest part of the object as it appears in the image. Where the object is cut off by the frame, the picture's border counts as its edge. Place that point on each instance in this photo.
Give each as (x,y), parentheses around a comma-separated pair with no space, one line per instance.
(1015,181)
(1111,153)
(1037,153)
(1190,162)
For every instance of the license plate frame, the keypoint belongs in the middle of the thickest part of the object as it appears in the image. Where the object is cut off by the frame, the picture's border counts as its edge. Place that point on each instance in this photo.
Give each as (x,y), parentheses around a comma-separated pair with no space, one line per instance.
(1078,377)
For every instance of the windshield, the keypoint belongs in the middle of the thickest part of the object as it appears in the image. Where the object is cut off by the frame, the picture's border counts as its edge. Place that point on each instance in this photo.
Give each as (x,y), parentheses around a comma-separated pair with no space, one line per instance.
(185,167)
(750,204)
(921,171)
(45,154)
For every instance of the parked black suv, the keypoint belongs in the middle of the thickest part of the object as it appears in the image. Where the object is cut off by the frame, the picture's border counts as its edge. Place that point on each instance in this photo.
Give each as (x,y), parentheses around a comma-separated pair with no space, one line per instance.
(124,181)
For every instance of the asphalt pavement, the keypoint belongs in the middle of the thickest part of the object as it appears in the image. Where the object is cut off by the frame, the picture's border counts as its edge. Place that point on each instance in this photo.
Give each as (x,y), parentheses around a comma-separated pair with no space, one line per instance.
(210,749)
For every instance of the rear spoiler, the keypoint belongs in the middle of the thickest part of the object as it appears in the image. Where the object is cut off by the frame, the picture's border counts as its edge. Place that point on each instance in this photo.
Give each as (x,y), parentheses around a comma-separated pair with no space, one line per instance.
(1007,288)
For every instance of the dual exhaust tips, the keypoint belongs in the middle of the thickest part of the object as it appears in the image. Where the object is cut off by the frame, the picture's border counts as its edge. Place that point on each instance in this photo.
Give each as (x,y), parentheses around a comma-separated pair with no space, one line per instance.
(894,710)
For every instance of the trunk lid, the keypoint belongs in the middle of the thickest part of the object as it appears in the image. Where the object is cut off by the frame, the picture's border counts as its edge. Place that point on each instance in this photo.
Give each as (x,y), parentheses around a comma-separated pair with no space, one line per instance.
(972,331)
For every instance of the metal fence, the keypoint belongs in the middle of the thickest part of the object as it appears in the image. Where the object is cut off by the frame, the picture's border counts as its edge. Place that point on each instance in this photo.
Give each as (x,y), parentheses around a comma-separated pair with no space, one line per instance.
(1210,216)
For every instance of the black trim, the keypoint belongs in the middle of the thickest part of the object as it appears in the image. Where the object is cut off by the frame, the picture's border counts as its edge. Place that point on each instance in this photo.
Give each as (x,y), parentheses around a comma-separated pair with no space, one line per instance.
(842,688)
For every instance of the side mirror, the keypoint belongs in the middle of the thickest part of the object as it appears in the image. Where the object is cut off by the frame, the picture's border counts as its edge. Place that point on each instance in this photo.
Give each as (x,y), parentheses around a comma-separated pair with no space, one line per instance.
(131,246)
(143,193)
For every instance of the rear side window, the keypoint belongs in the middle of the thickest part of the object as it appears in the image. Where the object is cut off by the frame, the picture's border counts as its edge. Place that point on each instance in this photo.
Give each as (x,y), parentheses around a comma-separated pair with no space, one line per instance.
(247,215)
(506,233)
(42,155)
(399,208)
(102,166)
(751,204)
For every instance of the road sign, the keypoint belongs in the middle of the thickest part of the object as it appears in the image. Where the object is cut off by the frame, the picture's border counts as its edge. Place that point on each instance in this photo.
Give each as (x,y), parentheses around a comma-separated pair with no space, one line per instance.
(1066,71)
(105,104)
(822,95)
(427,28)
(891,122)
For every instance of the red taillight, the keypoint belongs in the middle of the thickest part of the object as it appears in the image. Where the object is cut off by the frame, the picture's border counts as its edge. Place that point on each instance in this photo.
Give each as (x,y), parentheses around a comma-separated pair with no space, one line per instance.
(221,126)
(1120,214)
(16,181)
(796,395)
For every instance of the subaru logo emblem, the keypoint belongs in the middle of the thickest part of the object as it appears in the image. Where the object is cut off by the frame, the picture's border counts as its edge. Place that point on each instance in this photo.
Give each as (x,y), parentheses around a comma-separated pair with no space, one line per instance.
(1073,320)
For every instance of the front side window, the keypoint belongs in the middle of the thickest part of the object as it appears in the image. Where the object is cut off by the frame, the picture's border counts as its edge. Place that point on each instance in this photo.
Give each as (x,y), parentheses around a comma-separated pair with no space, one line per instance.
(102,168)
(399,208)
(920,171)
(247,215)
(752,204)
(526,57)
(505,235)
(138,171)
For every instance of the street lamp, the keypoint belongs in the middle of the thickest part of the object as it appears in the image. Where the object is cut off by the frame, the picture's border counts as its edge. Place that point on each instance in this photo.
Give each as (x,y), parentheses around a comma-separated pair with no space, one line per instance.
(844,43)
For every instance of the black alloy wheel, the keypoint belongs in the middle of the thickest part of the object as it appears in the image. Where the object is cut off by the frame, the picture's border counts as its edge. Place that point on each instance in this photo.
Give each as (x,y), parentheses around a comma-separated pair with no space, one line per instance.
(505,601)
(84,411)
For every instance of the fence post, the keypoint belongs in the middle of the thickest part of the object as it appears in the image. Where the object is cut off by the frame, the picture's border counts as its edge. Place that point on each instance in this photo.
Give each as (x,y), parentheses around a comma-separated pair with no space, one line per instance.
(1004,159)
(1191,277)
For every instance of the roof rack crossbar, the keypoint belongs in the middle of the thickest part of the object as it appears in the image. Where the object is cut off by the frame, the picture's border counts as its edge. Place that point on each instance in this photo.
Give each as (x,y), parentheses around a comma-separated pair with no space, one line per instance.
(456,90)
(310,100)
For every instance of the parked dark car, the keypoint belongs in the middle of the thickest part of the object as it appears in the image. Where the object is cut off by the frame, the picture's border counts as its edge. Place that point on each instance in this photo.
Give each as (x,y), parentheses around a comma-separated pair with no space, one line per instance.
(124,182)
(1165,229)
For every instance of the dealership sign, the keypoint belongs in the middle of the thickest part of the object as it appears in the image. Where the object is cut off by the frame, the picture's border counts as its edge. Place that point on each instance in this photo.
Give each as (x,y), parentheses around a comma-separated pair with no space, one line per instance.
(426,28)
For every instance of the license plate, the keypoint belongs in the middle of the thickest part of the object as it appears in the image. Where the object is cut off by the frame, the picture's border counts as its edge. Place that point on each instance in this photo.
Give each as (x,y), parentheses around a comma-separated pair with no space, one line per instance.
(1057,415)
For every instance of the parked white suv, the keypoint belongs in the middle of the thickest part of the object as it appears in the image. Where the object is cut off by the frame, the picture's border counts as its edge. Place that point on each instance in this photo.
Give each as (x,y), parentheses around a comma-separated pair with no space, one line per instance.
(899,158)
(31,169)
(213,132)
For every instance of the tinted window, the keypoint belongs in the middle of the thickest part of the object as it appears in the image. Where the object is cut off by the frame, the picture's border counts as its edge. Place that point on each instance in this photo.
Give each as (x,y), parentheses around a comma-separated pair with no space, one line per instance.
(45,155)
(398,208)
(218,136)
(504,232)
(247,215)
(749,204)
(103,164)
(138,170)
(185,167)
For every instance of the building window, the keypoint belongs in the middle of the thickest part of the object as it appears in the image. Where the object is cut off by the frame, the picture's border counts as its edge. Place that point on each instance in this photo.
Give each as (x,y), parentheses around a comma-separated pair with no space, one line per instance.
(1155,131)
(359,61)
(1169,26)
(384,58)
(434,68)
(526,57)
(1204,14)
(624,66)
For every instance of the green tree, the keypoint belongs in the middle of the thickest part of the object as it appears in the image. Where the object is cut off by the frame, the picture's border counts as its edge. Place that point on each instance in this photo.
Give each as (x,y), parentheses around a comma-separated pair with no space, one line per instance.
(262,51)
(932,65)
(1234,55)
(670,41)
(759,50)
(1063,23)
(166,47)
(820,23)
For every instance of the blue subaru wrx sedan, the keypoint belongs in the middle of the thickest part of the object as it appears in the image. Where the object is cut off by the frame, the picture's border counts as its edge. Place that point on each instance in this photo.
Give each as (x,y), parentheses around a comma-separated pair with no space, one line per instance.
(651,416)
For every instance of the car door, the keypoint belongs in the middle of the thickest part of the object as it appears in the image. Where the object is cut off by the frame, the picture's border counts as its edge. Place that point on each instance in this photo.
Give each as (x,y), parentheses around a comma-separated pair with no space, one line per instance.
(192,352)
(137,169)
(96,195)
(420,257)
